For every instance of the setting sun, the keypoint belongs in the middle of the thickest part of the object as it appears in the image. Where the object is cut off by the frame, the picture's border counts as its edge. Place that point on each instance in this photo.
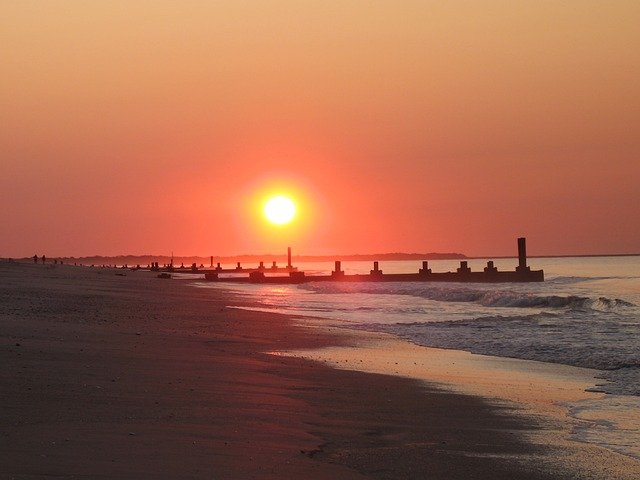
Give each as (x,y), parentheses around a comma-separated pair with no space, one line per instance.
(279,210)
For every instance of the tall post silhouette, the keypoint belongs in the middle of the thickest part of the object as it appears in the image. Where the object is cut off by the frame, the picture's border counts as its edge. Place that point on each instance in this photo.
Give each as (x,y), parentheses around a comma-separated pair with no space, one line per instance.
(522,252)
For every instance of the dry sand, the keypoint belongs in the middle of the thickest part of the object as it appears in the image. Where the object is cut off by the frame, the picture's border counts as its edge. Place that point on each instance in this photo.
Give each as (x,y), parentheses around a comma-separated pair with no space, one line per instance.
(110,376)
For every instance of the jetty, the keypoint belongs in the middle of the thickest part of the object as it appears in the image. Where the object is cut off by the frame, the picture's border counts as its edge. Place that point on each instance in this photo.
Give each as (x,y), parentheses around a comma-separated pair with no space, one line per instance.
(273,268)
(490,274)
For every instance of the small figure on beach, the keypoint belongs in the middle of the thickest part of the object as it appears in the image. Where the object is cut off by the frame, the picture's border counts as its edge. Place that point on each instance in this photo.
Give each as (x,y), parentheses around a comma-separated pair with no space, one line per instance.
(35,259)
(44,259)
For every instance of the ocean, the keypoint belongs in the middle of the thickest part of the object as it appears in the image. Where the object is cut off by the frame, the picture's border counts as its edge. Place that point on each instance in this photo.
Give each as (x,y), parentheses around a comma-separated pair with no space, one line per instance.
(586,313)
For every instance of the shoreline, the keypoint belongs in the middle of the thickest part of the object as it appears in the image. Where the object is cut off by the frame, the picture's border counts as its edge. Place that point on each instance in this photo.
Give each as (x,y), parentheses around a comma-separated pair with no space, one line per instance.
(539,387)
(561,396)
(136,377)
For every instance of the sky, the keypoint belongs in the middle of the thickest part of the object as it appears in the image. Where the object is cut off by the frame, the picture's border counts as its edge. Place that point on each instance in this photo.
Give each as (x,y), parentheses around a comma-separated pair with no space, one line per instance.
(154,126)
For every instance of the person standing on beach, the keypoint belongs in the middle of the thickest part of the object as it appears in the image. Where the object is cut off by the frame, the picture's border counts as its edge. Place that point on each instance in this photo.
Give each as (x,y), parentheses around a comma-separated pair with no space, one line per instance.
(35,259)
(43,259)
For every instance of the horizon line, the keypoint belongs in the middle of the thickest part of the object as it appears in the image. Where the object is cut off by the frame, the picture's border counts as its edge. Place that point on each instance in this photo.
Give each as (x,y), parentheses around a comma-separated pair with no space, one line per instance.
(329,257)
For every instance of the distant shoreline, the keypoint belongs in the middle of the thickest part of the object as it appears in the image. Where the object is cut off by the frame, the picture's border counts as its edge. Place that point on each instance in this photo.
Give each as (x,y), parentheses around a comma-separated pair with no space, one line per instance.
(282,259)
(253,258)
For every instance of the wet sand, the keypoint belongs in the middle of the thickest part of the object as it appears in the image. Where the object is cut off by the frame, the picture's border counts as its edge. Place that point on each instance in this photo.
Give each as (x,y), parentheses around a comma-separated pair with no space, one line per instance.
(110,376)
(544,391)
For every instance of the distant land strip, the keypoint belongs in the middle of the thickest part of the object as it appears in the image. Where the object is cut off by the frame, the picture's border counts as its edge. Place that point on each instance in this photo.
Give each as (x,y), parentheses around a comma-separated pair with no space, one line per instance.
(143,260)
(133,260)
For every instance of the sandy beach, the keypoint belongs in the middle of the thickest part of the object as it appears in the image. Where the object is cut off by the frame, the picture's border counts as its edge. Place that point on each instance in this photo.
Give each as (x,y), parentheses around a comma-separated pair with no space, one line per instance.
(119,374)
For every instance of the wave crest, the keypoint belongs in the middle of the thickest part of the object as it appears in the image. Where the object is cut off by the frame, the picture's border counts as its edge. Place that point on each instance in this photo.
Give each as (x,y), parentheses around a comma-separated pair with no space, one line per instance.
(484,297)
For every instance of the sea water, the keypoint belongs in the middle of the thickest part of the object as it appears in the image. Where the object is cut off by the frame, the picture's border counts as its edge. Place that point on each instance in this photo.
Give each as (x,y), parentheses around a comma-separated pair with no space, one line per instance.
(586,313)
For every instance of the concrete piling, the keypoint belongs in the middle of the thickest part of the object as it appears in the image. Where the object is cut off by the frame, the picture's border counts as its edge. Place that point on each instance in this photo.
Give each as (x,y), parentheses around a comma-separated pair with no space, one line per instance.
(490,268)
(464,268)
(376,270)
(425,268)
(337,272)
(522,255)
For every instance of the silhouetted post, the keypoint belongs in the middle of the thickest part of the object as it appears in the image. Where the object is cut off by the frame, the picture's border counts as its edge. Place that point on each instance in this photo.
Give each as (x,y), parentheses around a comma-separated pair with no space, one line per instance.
(464,268)
(211,260)
(376,270)
(490,268)
(425,268)
(522,252)
(337,271)
(289,257)
(522,255)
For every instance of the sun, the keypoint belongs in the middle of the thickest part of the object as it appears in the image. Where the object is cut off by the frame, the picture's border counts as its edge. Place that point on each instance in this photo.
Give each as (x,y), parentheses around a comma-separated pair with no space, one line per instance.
(280,210)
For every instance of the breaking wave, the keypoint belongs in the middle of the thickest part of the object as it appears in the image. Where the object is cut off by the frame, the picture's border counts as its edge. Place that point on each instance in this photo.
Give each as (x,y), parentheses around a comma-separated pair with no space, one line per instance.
(488,297)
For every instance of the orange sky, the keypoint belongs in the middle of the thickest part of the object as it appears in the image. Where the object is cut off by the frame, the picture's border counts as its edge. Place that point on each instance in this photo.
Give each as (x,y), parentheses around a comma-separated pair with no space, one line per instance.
(156,126)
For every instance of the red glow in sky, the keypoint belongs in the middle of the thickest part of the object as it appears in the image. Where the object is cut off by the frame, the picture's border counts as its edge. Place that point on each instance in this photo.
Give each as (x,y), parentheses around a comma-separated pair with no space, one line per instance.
(151,127)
